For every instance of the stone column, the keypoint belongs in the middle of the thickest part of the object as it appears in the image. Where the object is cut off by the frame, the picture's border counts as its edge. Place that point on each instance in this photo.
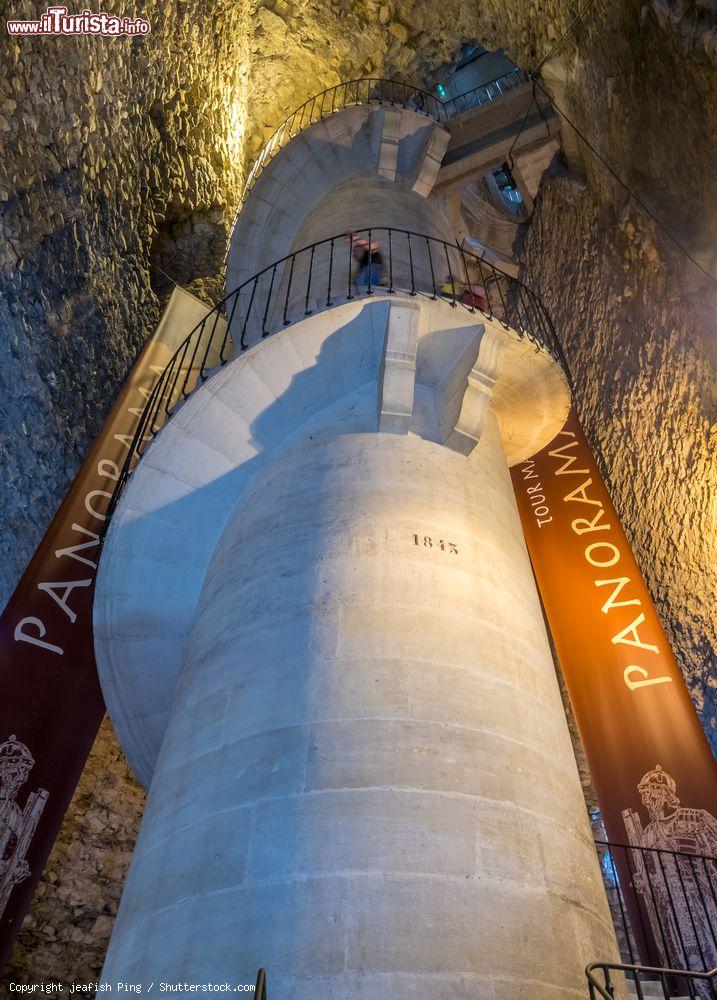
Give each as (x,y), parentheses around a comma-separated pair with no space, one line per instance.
(367,783)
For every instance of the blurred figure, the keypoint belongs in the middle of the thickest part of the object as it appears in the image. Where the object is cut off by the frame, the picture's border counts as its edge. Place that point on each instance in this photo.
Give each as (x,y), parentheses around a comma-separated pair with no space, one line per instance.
(473,294)
(370,262)
(451,288)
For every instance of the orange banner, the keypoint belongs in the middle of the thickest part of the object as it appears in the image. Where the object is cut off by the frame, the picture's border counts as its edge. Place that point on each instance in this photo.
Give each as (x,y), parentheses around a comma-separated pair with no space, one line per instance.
(651,765)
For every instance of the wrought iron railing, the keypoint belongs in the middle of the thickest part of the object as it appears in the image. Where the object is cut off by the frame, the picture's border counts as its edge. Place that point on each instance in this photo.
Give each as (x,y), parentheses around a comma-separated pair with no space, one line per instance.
(322,275)
(374,90)
(486,92)
(664,904)
(367,90)
(612,981)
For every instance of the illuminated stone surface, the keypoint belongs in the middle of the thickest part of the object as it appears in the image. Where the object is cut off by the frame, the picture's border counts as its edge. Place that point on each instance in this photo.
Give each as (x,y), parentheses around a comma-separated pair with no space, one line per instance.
(366,774)
(197,470)
(648,404)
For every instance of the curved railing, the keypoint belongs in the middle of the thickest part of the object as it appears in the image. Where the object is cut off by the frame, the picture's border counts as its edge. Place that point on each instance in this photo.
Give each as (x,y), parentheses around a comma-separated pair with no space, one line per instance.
(367,90)
(662,896)
(322,275)
(674,984)
(375,90)
(486,92)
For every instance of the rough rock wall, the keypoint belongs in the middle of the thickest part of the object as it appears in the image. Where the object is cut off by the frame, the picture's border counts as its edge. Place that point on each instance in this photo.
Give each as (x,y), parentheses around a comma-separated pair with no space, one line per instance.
(121,160)
(641,347)
(120,169)
(68,928)
(638,318)
(640,82)
(107,146)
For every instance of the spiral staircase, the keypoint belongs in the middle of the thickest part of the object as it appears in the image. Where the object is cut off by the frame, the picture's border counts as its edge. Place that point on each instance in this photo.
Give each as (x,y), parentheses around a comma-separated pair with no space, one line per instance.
(369,164)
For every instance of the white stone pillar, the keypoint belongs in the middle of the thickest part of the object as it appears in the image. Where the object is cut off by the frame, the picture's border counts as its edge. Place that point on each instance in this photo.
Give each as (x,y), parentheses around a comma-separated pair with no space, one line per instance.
(367,783)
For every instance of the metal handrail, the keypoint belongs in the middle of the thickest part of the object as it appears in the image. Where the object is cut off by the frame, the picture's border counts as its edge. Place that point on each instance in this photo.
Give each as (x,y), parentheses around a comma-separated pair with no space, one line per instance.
(485,93)
(321,275)
(642,974)
(656,850)
(377,90)
(663,903)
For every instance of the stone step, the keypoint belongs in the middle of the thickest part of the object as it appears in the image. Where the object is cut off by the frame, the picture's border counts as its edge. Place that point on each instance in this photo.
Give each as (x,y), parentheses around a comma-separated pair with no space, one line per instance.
(355,144)
(651,990)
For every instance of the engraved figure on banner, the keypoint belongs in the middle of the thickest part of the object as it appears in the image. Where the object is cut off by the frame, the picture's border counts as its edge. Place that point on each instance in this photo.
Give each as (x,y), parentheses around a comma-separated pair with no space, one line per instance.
(678,892)
(17,825)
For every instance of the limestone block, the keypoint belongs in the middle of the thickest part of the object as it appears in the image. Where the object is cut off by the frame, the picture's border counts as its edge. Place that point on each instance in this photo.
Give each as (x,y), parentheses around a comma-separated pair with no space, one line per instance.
(429,161)
(389,125)
(393,831)
(399,368)
(478,394)
(366,713)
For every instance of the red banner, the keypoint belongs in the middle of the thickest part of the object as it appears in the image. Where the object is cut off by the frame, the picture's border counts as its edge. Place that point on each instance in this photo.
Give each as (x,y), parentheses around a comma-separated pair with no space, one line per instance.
(651,765)
(51,703)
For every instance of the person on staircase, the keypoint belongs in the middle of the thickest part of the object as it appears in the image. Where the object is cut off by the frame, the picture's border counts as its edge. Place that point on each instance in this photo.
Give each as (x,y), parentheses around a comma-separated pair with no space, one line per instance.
(370,270)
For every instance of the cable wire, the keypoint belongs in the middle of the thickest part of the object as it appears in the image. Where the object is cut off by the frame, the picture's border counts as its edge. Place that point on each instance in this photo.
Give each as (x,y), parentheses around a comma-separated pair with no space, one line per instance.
(578,17)
(535,76)
(158,269)
(611,170)
(518,134)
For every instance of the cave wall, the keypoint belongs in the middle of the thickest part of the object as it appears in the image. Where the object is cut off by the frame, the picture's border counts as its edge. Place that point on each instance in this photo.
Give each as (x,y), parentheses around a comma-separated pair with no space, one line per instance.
(106,144)
(67,930)
(641,347)
(625,277)
(121,160)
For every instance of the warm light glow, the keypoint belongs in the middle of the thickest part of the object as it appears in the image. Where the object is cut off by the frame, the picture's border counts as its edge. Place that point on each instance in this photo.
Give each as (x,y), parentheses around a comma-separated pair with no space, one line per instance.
(237,125)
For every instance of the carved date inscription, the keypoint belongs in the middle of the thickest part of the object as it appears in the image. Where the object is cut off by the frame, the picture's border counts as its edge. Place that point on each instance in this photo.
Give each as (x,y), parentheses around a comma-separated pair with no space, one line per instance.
(428,542)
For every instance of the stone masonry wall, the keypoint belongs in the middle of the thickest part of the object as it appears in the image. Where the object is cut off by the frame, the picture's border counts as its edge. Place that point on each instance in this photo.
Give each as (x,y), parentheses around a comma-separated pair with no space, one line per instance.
(641,346)
(121,162)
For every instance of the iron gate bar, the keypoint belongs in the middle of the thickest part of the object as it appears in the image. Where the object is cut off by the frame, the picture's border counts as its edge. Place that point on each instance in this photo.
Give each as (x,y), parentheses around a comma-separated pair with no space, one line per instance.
(675,901)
